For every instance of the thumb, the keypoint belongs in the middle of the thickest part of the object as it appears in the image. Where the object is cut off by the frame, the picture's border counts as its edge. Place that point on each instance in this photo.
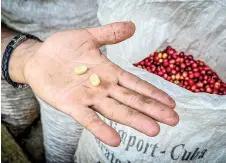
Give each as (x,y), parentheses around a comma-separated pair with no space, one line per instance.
(112,33)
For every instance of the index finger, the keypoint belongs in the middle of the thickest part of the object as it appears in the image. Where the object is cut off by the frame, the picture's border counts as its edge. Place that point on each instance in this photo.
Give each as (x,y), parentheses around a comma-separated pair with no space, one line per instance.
(140,86)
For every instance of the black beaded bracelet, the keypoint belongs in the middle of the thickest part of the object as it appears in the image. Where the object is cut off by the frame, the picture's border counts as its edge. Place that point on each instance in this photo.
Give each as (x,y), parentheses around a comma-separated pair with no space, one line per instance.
(16,41)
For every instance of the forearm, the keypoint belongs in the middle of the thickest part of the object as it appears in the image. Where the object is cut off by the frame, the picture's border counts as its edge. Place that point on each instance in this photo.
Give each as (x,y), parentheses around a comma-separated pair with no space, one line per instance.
(6,36)
(20,55)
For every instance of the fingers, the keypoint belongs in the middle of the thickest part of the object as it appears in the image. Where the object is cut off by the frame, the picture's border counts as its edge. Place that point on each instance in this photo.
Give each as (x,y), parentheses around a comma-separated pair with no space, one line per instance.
(116,111)
(90,120)
(132,82)
(146,105)
(112,33)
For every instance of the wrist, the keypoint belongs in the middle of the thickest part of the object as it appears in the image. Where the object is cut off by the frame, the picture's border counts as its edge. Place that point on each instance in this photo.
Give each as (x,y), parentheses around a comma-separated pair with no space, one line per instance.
(19,59)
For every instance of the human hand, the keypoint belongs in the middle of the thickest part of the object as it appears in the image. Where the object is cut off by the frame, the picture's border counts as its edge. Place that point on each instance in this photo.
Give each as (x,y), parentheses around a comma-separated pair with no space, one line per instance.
(121,96)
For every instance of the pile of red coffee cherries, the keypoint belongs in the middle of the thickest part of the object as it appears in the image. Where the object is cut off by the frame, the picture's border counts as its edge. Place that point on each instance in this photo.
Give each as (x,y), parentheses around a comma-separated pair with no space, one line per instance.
(183,70)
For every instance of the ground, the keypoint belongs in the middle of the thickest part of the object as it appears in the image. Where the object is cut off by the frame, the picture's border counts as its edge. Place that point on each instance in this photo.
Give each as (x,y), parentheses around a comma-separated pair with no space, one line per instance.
(25,148)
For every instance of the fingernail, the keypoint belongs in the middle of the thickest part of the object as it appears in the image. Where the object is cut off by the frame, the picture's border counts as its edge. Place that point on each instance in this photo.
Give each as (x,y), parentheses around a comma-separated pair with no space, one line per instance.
(172,102)
(173,121)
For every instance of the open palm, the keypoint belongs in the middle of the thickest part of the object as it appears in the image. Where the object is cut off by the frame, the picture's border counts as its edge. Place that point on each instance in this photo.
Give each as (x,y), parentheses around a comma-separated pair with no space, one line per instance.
(121,96)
